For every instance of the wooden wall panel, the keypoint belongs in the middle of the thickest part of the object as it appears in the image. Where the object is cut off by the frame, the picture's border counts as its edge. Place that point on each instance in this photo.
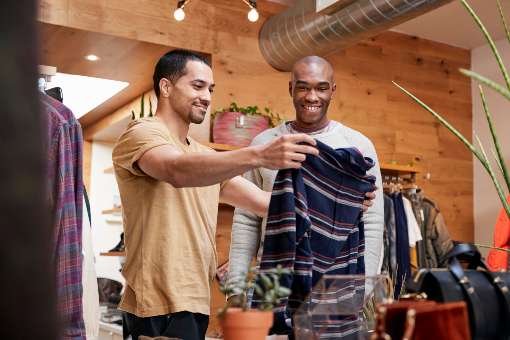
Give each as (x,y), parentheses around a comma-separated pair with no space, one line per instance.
(365,100)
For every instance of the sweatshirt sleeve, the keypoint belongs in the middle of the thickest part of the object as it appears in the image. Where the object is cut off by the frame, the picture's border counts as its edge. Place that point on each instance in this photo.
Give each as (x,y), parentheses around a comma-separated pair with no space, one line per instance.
(373,219)
(246,230)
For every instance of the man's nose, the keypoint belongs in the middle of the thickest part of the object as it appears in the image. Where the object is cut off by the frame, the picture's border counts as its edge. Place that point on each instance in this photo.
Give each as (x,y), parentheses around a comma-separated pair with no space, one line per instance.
(311,96)
(205,97)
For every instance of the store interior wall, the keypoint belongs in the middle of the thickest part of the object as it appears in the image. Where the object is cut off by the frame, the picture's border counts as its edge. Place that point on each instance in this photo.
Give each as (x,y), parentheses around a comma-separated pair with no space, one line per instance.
(106,229)
(486,203)
(365,98)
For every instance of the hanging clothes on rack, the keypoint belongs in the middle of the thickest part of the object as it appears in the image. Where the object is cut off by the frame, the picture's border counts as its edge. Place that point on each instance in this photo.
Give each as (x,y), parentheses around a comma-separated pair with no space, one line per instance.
(403,264)
(436,244)
(390,235)
(65,189)
(414,232)
(498,259)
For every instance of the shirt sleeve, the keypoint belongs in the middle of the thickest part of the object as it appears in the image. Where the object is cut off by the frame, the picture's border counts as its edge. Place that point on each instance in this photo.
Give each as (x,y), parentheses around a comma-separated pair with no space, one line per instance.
(246,231)
(139,138)
(373,219)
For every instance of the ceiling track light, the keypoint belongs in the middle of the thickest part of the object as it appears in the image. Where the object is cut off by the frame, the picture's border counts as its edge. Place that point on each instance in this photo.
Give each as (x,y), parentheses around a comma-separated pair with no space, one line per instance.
(253,14)
(179,14)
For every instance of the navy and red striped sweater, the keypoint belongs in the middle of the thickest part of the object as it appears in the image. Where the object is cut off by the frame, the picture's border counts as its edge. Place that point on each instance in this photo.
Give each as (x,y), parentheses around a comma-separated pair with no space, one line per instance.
(314,224)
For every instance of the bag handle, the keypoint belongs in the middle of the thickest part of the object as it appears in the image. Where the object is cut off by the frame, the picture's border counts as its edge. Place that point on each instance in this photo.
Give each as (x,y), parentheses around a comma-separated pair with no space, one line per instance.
(469,251)
(475,260)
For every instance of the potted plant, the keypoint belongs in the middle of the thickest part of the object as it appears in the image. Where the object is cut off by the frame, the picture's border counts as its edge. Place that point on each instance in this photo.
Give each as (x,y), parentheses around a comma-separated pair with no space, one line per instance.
(237,125)
(237,320)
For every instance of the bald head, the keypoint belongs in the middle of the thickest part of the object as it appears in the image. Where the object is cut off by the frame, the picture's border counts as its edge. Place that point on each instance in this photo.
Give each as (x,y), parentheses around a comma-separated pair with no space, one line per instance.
(312,87)
(312,63)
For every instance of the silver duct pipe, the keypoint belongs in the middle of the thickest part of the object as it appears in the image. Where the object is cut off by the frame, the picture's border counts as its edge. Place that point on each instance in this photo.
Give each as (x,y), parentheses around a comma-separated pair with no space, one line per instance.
(300,31)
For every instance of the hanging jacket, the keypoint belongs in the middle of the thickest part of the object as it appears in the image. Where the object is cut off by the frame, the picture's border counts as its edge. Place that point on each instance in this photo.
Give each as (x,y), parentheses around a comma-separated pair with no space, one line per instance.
(390,239)
(498,259)
(436,244)
(314,225)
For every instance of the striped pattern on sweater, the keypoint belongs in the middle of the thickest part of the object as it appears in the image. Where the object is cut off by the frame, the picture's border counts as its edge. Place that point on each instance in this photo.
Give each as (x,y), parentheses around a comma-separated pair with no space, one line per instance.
(314,224)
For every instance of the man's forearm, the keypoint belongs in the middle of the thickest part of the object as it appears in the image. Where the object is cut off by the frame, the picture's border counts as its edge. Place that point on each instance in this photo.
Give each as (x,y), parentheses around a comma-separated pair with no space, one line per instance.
(167,163)
(203,169)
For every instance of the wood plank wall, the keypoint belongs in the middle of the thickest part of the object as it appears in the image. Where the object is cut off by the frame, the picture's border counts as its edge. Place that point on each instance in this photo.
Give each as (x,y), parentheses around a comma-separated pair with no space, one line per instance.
(365,100)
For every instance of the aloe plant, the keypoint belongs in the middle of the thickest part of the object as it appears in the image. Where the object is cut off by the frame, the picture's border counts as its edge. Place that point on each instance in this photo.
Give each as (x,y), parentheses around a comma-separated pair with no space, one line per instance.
(141,114)
(479,150)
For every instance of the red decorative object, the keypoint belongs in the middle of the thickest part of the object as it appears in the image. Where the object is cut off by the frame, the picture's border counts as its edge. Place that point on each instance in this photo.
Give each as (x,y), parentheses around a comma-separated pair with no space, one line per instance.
(236,128)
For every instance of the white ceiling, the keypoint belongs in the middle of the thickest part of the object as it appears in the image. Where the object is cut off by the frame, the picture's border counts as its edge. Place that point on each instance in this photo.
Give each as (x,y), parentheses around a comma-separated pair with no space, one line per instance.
(451,24)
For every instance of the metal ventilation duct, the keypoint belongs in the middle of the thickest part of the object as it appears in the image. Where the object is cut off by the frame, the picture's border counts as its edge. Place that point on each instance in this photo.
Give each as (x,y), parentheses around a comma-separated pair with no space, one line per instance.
(300,31)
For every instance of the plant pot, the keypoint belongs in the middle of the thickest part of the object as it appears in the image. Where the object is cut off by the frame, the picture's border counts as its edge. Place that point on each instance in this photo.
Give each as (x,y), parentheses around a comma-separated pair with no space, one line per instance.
(248,325)
(236,128)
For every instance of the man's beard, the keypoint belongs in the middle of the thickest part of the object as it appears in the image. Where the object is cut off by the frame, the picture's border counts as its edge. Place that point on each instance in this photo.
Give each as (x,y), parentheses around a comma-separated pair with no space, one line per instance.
(196,118)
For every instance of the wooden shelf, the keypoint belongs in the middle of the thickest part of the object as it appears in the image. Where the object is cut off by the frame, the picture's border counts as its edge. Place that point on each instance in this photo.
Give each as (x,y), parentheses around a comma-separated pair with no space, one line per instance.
(113,253)
(399,168)
(222,147)
(111,211)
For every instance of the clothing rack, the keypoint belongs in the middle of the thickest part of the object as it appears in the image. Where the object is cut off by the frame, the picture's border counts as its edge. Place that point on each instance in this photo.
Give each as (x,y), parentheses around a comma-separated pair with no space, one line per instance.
(397,177)
(400,171)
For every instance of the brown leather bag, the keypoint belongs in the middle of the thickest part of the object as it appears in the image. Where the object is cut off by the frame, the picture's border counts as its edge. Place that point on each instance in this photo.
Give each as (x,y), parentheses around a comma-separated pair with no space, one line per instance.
(423,320)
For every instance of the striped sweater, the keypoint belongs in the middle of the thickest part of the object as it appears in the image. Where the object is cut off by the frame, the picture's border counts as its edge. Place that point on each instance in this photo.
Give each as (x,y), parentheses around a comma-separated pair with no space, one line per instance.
(314,225)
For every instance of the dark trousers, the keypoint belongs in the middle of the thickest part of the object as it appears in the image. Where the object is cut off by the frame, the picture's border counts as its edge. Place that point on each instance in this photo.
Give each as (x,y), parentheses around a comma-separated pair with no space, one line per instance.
(181,325)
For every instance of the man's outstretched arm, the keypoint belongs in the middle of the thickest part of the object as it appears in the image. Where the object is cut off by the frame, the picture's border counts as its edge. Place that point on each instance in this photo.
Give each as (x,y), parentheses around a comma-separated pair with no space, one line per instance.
(167,163)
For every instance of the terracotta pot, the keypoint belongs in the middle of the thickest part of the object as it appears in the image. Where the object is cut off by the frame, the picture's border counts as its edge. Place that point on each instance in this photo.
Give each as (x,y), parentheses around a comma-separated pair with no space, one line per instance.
(249,325)
(236,128)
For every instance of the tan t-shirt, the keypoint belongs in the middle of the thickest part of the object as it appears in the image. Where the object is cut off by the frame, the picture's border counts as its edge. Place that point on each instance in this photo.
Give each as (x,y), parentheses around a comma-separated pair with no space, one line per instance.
(169,233)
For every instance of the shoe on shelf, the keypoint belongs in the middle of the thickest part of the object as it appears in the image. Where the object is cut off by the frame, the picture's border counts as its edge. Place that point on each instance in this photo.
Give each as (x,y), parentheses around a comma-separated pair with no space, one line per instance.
(120,245)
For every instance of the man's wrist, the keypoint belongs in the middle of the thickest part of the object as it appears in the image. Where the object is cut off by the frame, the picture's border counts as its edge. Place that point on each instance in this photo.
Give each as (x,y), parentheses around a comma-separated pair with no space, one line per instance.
(254,155)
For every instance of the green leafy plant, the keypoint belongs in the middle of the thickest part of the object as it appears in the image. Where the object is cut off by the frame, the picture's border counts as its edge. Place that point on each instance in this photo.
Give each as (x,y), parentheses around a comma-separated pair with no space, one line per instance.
(273,117)
(479,151)
(141,114)
(270,291)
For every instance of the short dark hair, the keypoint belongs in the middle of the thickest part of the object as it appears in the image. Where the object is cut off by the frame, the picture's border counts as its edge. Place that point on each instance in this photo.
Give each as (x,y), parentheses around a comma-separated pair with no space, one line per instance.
(172,66)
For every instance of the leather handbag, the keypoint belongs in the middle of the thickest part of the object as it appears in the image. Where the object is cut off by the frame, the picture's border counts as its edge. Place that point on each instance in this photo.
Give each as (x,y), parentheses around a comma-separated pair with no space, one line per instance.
(422,320)
(486,293)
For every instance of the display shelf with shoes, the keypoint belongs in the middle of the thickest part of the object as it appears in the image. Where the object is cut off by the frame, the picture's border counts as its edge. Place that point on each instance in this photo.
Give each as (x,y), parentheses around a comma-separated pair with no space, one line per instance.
(118,250)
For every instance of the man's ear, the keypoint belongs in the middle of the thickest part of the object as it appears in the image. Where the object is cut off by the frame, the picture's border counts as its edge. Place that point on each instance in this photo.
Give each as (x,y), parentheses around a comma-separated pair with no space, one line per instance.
(290,88)
(333,88)
(165,87)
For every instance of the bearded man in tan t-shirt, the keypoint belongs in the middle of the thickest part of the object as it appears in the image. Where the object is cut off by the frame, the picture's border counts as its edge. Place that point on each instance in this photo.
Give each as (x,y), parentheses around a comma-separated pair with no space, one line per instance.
(170,186)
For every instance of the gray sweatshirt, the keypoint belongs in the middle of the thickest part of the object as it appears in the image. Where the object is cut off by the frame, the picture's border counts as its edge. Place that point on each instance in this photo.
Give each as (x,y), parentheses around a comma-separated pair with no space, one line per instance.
(248,229)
